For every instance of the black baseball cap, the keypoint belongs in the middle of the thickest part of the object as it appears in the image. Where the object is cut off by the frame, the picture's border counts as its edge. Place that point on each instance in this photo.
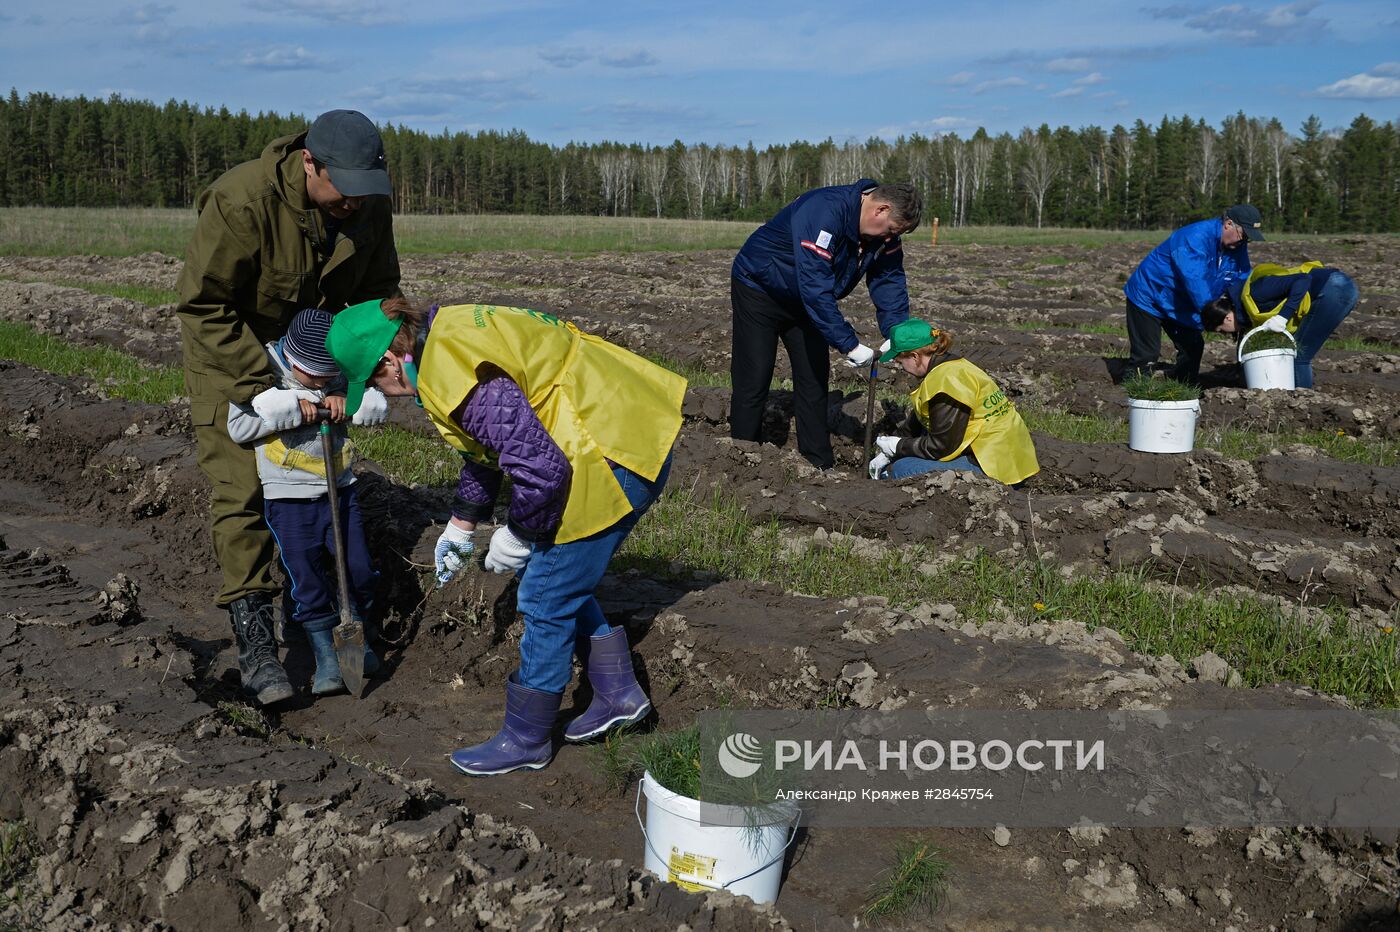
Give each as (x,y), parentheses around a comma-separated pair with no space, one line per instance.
(1247,217)
(346,142)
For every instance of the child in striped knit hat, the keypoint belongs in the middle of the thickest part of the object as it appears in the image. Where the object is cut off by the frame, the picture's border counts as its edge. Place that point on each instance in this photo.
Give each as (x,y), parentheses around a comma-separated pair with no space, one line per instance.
(291,466)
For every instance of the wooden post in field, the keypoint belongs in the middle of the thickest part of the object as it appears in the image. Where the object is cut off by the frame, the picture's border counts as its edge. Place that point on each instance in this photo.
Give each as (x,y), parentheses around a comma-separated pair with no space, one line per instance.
(934,241)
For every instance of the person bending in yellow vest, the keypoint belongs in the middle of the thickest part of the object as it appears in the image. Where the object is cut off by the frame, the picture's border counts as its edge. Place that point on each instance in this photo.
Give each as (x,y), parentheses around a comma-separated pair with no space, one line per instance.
(1309,301)
(960,418)
(584,429)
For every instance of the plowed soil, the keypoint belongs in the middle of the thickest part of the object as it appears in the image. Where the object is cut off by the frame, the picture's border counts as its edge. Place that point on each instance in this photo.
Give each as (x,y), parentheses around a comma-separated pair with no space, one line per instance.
(156,802)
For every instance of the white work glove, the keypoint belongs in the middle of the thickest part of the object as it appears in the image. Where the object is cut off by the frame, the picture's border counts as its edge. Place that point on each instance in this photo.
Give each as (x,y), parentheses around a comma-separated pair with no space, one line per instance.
(884,348)
(373,410)
(508,553)
(1275,324)
(860,356)
(281,407)
(454,548)
(878,464)
(887,445)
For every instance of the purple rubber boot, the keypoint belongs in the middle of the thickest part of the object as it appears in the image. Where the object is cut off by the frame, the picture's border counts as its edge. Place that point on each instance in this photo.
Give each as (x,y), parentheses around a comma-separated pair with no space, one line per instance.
(524,739)
(617,697)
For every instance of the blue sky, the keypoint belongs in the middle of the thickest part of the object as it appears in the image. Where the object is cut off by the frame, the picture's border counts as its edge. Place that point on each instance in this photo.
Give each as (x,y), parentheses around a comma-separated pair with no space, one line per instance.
(721,72)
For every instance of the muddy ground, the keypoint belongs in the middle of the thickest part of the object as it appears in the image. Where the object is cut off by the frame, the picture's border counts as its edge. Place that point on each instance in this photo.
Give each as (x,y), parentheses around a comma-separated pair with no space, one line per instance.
(153,799)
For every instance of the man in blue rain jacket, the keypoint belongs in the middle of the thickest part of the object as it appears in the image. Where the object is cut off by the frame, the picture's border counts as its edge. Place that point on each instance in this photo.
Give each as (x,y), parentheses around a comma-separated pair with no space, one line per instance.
(1185,273)
(785,283)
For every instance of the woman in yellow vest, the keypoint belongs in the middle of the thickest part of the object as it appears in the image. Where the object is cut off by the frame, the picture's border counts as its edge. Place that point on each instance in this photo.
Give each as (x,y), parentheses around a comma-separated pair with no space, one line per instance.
(1308,300)
(584,429)
(961,419)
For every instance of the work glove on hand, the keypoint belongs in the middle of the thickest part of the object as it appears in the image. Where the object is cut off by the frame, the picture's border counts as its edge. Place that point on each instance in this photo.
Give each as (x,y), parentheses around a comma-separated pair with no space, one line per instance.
(878,464)
(860,357)
(887,445)
(281,407)
(508,553)
(884,348)
(374,409)
(454,548)
(1275,324)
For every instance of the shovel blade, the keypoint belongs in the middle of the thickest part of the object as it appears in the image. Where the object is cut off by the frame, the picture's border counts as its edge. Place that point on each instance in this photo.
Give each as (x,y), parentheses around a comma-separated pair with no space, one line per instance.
(349,638)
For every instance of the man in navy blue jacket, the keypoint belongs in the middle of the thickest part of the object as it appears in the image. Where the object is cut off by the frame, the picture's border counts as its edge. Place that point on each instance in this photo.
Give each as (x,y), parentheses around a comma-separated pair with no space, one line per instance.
(785,285)
(1177,280)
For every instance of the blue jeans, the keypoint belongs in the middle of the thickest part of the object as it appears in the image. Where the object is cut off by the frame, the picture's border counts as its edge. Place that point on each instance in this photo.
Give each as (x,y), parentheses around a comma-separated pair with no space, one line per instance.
(907,466)
(1330,306)
(306,544)
(556,590)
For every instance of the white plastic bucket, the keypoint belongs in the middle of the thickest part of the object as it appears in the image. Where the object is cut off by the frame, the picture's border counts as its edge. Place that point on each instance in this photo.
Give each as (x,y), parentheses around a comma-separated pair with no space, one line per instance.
(1270,368)
(746,860)
(1162,426)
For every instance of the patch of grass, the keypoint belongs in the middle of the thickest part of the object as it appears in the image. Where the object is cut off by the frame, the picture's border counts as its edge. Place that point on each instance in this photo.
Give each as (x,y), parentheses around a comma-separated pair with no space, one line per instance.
(144,294)
(1265,641)
(117,374)
(1245,444)
(694,374)
(1106,329)
(615,759)
(1360,345)
(17,849)
(1076,428)
(246,718)
(1145,388)
(412,459)
(1268,340)
(915,885)
(673,759)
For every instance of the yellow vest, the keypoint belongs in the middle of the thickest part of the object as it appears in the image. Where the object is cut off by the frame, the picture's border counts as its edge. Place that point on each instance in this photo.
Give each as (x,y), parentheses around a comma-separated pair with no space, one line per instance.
(1257,316)
(995,431)
(598,401)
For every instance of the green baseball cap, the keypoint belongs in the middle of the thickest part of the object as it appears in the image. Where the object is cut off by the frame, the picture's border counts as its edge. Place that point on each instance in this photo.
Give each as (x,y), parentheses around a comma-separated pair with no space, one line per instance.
(906,335)
(360,336)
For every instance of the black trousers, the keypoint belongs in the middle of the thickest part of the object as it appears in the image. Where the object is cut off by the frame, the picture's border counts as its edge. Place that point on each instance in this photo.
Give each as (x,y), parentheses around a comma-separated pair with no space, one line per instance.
(759,323)
(1145,345)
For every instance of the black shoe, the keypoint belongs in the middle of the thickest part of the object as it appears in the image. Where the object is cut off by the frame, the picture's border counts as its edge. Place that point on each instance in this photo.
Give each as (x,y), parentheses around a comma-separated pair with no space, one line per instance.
(263,677)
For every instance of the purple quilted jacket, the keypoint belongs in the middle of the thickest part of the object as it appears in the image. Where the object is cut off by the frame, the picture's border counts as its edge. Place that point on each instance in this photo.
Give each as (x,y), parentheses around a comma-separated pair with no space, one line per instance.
(499,417)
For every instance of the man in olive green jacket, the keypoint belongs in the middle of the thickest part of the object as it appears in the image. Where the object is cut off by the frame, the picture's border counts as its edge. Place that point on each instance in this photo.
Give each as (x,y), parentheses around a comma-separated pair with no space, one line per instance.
(307,224)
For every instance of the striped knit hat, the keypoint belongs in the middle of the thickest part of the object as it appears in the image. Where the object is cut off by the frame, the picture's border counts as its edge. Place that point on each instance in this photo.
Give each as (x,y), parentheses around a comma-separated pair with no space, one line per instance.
(305,344)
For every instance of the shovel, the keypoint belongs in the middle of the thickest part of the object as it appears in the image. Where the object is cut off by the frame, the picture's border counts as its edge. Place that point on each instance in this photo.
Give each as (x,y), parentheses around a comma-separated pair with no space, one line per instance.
(349,635)
(870,409)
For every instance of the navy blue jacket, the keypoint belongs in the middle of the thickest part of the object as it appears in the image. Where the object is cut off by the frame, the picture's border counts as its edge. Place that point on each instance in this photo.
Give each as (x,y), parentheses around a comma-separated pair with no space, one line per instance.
(809,256)
(1186,272)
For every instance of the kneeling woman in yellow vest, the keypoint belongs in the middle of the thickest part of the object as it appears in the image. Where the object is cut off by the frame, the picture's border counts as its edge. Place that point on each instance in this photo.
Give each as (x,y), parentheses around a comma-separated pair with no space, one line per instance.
(584,429)
(961,419)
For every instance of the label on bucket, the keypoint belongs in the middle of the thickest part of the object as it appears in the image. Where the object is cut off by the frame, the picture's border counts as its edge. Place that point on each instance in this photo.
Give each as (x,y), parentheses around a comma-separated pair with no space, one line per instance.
(697,866)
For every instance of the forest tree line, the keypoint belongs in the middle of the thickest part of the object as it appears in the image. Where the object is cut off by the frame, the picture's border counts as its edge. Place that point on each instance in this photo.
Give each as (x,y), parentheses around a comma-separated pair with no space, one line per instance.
(64,152)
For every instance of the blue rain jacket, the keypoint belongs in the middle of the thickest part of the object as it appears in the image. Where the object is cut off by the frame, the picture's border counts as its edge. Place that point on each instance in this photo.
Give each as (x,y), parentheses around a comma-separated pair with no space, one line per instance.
(1186,272)
(809,255)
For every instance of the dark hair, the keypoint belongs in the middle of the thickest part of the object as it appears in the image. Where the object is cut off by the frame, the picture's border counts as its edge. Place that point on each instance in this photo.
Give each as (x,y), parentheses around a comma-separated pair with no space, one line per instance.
(410,319)
(1215,313)
(904,199)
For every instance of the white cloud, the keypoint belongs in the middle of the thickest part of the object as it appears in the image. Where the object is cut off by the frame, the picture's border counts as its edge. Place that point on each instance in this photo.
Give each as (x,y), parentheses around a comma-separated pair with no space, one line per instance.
(998,84)
(635,58)
(1067,65)
(1374,86)
(565,57)
(1239,23)
(345,12)
(959,79)
(1089,79)
(283,58)
(1387,68)
(1068,92)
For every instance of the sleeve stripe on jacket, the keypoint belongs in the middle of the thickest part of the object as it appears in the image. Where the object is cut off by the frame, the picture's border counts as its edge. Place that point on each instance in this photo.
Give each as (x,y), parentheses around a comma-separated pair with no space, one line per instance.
(808,244)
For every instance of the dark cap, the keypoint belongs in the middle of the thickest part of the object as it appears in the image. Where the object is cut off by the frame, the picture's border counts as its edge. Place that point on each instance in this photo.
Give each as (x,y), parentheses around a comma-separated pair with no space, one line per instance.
(346,142)
(1248,218)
